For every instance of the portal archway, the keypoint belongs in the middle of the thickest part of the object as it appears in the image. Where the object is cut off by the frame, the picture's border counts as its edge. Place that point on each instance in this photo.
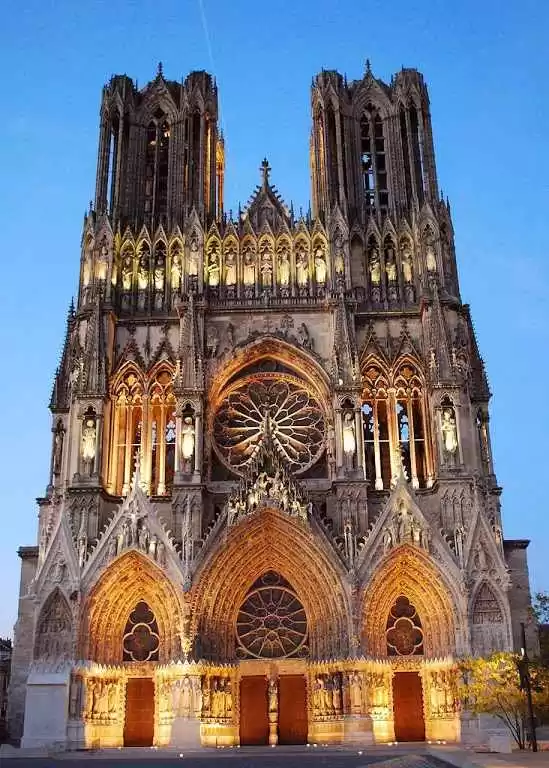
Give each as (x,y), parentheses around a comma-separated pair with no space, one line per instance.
(128,582)
(271,542)
(411,574)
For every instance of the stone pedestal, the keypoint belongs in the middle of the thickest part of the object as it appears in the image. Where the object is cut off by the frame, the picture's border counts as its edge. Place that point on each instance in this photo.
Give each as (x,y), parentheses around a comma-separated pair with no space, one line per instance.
(358,730)
(46,709)
(185,733)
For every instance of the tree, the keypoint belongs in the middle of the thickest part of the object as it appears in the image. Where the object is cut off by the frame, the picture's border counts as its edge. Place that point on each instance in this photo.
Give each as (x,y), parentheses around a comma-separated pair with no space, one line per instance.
(493,686)
(540,610)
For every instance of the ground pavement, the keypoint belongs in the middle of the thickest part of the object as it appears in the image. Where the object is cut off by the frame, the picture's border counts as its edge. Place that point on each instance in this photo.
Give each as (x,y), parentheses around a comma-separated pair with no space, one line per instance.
(401,756)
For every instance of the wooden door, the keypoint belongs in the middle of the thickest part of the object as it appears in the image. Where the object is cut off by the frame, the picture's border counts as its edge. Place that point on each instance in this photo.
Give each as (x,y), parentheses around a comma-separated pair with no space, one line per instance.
(139,723)
(292,709)
(254,720)
(408,707)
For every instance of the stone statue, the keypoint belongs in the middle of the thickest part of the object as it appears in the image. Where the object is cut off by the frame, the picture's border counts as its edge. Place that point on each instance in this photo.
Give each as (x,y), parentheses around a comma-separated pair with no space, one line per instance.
(375,267)
(449,431)
(355,685)
(142,275)
(86,269)
(249,266)
(387,540)
(301,266)
(213,269)
(89,434)
(283,266)
(186,697)
(320,265)
(407,263)
(390,266)
(266,269)
(430,258)
(58,448)
(159,274)
(175,274)
(194,257)
(348,433)
(187,438)
(304,337)
(127,273)
(459,537)
(230,265)
(58,570)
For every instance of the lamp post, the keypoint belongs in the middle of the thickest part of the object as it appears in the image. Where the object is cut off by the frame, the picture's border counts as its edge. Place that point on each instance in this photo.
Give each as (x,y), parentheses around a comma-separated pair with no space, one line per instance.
(525,685)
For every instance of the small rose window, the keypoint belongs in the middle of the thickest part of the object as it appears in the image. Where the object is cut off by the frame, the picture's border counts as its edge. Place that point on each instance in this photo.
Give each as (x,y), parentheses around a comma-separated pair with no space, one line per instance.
(141,641)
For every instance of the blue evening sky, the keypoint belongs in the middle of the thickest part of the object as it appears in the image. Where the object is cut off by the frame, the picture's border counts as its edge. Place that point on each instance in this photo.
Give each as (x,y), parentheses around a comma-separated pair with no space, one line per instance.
(486,66)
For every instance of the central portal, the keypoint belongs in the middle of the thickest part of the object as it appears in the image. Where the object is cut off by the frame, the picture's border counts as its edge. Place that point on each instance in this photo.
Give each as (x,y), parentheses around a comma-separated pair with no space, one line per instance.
(408,707)
(254,720)
(139,723)
(292,709)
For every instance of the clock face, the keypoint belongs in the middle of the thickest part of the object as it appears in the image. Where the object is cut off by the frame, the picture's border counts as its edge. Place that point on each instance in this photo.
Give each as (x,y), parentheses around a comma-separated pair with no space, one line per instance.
(294,413)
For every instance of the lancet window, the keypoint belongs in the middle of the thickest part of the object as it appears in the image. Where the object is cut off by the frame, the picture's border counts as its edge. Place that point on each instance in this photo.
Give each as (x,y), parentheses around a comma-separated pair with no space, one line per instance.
(156,166)
(393,415)
(143,422)
(373,162)
(412,148)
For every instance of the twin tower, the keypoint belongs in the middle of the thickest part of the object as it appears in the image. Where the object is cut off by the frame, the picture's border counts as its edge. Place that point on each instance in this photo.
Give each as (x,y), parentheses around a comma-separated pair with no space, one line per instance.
(161,152)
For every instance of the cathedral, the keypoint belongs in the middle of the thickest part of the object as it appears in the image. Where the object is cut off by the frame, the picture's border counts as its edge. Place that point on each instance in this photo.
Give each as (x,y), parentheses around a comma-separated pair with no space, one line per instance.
(272,515)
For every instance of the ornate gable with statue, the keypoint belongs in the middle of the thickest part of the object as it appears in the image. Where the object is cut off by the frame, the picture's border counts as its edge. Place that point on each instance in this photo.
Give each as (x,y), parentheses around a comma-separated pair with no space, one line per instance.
(272,513)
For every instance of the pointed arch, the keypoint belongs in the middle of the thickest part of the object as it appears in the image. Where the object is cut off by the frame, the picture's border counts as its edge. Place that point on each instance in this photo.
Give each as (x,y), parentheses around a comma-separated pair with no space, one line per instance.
(271,542)
(410,572)
(489,620)
(53,636)
(129,579)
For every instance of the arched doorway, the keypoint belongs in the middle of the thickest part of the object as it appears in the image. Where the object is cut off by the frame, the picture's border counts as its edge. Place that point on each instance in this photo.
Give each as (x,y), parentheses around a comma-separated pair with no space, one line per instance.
(141,644)
(272,624)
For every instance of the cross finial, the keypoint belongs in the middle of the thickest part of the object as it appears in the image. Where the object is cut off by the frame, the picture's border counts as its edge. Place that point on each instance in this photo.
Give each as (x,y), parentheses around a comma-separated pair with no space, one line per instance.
(160,71)
(368,67)
(265,171)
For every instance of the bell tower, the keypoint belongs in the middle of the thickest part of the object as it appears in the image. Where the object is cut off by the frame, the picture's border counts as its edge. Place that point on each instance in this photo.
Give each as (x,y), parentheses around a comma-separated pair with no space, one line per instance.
(157,151)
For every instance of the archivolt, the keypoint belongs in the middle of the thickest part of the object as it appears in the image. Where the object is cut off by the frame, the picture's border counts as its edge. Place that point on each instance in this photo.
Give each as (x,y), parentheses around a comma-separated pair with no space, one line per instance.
(410,572)
(271,541)
(128,580)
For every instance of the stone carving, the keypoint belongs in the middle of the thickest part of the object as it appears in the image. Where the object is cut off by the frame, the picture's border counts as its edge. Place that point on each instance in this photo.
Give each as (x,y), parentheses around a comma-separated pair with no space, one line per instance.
(54,631)
(213,270)
(449,431)
(283,265)
(230,263)
(89,436)
(187,438)
(348,434)
(58,439)
(321,269)
(194,257)
(404,528)
(103,698)
(304,337)
(269,488)
(301,265)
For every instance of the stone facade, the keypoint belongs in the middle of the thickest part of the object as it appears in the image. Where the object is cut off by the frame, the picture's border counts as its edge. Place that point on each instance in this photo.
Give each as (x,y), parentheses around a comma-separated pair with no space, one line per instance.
(5,667)
(270,440)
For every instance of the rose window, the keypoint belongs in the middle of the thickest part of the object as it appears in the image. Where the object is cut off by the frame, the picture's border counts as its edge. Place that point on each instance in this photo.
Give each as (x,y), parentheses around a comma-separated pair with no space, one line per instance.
(271,622)
(404,633)
(141,640)
(294,414)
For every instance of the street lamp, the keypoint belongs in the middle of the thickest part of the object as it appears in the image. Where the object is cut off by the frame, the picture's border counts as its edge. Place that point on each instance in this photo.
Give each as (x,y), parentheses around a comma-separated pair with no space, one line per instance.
(525,685)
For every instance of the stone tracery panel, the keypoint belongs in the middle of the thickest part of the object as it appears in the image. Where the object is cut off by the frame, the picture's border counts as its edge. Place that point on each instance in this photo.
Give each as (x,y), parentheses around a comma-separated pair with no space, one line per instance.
(54,629)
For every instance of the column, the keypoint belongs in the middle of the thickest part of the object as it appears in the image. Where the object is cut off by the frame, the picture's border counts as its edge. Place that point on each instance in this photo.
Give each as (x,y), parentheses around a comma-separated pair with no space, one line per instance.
(415,481)
(197,445)
(128,450)
(177,463)
(377,450)
(428,446)
(339,446)
(394,442)
(360,458)
(161,439)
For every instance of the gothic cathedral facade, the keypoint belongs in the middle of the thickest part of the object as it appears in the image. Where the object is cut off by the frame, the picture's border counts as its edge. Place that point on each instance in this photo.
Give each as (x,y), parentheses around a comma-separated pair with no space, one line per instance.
(272,514)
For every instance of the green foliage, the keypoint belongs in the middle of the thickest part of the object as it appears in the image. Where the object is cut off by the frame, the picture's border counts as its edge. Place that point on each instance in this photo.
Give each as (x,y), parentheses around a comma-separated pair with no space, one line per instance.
(492,686)
(540,607)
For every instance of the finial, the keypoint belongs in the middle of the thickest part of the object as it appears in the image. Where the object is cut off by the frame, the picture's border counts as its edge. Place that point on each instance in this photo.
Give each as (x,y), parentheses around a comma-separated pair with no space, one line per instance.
(71,307)
(368,67)
(160,71)
(265,171)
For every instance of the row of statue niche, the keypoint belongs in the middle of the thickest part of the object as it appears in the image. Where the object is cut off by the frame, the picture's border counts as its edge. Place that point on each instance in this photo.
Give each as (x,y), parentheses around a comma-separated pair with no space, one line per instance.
(327,695)
(134,532)
(259,266)
(102,699)
(442,688)
(404,528)
(101,264)
(217,698)
(266,487)
(375,269)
